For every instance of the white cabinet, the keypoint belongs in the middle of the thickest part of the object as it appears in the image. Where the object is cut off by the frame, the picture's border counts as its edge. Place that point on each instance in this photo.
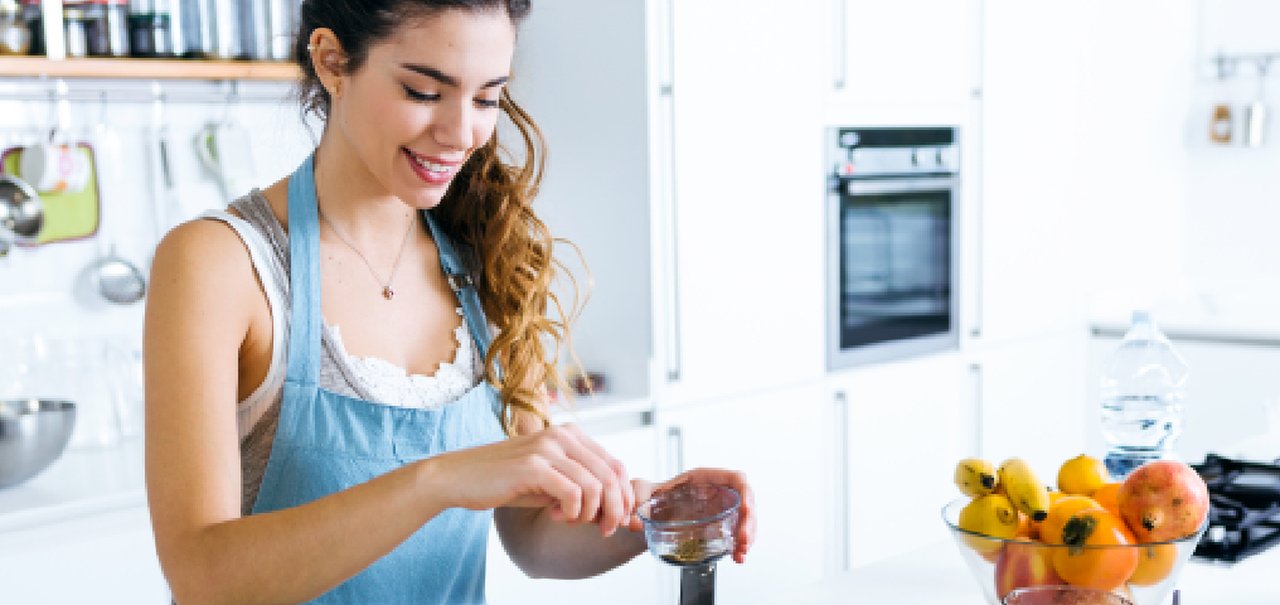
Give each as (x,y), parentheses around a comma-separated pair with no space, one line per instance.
(905,423)
(1032,399)
(685,161)
(106,558)
(781,440)
(741,246)
(912,51)
(1028,240)
(638,582)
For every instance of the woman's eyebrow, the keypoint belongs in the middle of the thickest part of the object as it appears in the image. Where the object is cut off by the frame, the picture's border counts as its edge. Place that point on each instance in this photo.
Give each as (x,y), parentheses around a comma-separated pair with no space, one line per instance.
(447,79)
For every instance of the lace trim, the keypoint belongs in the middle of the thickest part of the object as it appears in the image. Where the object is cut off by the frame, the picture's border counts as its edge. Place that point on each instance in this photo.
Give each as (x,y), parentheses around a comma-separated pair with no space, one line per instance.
(393,385)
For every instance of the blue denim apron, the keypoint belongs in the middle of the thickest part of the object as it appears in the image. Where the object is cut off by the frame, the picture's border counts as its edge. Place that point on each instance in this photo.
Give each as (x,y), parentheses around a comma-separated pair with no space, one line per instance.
(327,442)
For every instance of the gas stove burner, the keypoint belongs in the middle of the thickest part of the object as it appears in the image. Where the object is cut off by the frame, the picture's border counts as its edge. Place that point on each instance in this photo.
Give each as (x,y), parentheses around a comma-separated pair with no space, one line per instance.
(1244,508)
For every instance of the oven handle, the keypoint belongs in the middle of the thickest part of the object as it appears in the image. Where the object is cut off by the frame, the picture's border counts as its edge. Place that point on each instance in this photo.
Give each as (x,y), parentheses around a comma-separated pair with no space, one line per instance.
(911,185)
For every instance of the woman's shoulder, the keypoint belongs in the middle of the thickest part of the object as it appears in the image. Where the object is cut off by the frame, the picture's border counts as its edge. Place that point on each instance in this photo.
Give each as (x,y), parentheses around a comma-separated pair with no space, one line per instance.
(204,253)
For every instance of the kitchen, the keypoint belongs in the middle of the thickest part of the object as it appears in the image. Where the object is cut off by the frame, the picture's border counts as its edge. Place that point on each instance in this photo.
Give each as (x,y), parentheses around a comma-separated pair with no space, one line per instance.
(1088,186)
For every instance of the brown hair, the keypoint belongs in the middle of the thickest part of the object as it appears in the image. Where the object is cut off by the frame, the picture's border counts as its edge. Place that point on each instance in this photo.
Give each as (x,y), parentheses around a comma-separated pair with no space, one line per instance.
(487,209)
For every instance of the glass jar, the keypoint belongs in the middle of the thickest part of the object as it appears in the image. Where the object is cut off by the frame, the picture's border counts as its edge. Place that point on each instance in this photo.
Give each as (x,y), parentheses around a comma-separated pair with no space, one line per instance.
(31,14)
(15,35)
(149,29)
(74,23)
(107,28)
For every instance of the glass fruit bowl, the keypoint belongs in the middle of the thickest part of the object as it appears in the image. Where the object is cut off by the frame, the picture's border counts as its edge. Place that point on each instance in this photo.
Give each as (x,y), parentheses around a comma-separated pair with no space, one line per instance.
(1000,566)
(692,524)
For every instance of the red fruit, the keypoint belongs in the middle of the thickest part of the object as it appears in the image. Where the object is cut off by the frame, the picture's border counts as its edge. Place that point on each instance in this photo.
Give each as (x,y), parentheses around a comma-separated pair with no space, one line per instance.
(1024,564)
(1163,500)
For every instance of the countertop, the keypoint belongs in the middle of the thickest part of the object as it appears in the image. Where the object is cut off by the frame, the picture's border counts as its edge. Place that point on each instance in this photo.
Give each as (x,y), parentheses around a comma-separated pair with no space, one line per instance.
(81,482)
(94,480)
(936,575)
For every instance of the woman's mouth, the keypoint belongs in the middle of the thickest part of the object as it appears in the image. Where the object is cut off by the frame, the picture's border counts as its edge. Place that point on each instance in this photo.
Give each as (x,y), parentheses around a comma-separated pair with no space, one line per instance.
(431,170)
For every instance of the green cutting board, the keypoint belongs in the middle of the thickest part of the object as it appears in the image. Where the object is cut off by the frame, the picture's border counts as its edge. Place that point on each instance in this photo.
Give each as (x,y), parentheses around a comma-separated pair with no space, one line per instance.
(67,216)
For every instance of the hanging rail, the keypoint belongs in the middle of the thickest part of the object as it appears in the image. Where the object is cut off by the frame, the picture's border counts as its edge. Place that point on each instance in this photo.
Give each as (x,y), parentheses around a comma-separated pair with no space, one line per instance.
(114,91)
(1227,64)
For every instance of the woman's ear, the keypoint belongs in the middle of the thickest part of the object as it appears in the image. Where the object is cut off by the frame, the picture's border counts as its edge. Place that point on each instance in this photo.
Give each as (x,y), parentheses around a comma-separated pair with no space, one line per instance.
(327,59)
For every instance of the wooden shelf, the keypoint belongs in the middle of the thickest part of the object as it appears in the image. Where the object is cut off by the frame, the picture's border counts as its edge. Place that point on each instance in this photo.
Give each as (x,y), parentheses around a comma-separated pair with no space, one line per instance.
(147,69)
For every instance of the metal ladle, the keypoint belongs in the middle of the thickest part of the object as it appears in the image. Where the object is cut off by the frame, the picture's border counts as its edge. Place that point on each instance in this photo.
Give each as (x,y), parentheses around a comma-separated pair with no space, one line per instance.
(21,213)
(118,280)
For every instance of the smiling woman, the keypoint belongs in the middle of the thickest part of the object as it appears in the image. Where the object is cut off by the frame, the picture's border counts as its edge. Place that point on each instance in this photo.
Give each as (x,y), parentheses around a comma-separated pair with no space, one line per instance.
(345,369)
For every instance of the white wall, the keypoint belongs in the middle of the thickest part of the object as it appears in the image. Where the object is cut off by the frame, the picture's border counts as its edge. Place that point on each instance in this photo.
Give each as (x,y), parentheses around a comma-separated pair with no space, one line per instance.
(42,289)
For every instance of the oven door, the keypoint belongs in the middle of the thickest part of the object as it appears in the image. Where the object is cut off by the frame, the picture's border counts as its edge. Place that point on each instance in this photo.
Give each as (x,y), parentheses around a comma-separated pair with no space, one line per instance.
(891,268)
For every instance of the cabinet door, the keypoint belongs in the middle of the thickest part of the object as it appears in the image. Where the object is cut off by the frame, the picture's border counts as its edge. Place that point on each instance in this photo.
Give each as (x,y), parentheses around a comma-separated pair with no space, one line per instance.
(741,278)
(106,558)
(780,440)
(1033,401)
(1032,209)
(907,424)
(914,51)
(638,582)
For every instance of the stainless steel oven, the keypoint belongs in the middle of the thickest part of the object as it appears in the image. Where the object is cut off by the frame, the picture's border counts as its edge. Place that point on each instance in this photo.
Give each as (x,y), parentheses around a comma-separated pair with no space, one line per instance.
(892,208)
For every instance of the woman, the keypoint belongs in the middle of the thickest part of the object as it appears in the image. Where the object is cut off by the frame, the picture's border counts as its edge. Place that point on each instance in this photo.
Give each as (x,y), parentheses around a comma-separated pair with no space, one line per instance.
(328,417)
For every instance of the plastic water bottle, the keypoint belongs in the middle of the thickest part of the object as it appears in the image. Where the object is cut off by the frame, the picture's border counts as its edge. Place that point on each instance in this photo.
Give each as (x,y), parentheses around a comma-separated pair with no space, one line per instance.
(1143,387)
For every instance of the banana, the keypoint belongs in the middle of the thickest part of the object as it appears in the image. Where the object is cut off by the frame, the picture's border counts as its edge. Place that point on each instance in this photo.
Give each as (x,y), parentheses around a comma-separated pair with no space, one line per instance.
(991,516)
(1027,493)
(975,477)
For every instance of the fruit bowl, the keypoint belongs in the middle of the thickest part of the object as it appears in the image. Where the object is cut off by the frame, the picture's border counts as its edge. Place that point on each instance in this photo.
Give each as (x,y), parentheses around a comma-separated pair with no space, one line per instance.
(1001,565)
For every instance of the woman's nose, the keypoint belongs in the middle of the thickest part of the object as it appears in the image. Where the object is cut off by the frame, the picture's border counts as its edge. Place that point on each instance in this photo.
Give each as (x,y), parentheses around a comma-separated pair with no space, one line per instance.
(452,127)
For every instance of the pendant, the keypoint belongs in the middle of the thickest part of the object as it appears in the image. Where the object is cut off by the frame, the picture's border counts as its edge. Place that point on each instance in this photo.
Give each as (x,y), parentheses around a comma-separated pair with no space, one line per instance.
(387,292)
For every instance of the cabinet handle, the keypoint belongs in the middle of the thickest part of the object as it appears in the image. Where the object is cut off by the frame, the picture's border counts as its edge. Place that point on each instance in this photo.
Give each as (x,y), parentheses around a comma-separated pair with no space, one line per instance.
(675,445)
(666,99)
(842,478)
(841,44)
(975,371)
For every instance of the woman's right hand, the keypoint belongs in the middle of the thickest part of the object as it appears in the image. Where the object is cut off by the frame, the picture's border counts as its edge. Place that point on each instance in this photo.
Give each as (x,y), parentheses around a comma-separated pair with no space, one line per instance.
(559,467)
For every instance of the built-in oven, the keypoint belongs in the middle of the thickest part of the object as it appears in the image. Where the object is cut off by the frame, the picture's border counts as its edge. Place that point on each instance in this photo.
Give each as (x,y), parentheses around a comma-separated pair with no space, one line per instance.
(892,233)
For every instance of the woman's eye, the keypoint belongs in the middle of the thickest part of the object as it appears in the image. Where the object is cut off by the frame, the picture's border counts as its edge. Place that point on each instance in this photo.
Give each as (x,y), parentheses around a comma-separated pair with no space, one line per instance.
(487,103)
(419,96)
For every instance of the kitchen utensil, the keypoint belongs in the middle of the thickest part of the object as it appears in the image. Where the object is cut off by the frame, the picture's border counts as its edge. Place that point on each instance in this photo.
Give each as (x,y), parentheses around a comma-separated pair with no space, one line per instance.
(53,167)
(112,276)
(67,215)
(1063,595)
(1255,115)
(21,213)
(225,150)
(691,527)
(983,555)
(118,280)
(33,433)
(92,372)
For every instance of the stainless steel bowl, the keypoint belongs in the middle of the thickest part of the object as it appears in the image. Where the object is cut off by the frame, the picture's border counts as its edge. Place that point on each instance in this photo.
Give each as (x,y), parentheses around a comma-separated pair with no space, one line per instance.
(33,433)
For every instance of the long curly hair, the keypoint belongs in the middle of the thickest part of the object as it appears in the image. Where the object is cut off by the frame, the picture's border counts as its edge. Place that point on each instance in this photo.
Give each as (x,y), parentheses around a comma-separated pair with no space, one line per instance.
(487,209)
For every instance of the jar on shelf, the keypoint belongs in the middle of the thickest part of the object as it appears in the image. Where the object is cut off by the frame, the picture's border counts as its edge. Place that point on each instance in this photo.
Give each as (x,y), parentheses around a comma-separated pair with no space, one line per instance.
(15,34)
(32,15)
(75,27)
(107,28)
(149,29)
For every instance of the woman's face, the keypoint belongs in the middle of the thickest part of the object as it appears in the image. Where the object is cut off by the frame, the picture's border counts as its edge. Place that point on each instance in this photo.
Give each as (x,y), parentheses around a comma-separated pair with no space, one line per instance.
(426,98)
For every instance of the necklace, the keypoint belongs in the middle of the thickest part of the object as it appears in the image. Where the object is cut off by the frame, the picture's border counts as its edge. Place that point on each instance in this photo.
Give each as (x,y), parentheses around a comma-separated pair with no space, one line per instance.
(387,292)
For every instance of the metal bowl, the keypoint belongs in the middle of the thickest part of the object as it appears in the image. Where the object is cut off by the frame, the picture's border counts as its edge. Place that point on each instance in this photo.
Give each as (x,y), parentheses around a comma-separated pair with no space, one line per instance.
(33,433)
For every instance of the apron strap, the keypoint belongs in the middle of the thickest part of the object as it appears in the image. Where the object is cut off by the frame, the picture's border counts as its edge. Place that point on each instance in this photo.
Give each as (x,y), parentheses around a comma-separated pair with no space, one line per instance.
(463,286)
(304,277)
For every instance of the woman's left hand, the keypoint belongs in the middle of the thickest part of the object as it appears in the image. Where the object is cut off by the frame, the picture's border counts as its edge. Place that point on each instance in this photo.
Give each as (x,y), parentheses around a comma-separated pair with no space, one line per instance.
(743,536)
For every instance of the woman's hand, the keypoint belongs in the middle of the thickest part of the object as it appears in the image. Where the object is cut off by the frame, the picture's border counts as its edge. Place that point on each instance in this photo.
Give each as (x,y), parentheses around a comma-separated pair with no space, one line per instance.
(560,467)
(745,533)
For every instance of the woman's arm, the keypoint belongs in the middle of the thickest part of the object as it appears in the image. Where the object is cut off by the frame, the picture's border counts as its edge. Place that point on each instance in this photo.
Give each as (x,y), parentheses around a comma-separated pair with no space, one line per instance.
(202,297)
